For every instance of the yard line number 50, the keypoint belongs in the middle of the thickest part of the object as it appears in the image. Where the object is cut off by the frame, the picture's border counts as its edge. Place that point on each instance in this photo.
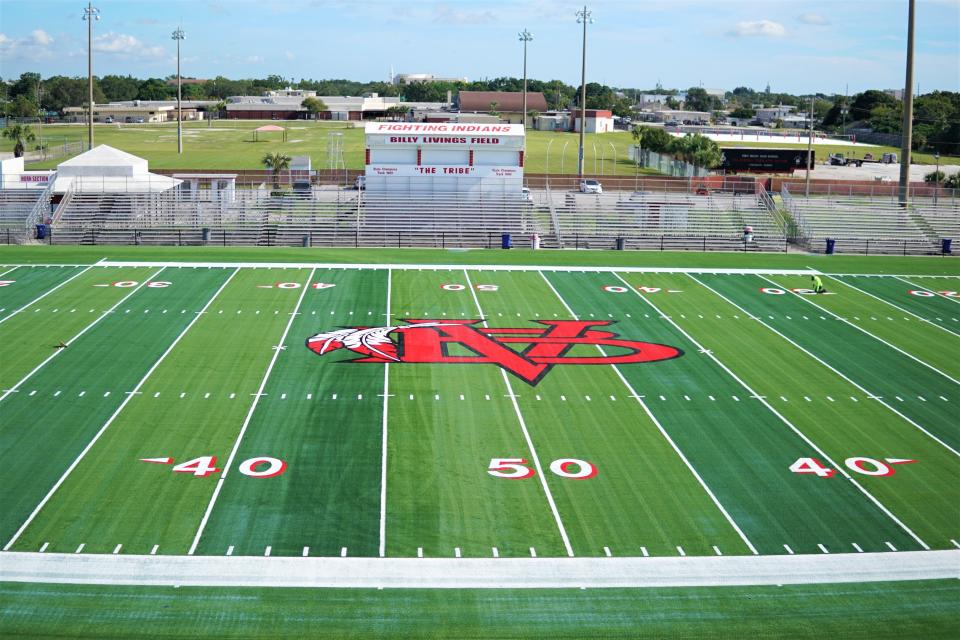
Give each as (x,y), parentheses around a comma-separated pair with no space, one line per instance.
(516,469)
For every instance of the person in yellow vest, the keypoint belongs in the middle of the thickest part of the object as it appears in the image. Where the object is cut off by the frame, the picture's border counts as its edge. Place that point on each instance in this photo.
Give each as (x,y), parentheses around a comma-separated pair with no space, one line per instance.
(817,284)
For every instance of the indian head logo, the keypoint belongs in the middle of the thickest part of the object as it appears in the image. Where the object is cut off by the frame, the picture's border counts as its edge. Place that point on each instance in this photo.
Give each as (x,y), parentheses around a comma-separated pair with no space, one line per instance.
(463,342)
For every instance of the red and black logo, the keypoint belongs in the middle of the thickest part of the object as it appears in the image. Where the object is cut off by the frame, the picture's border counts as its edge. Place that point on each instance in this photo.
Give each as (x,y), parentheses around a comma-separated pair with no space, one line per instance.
(443,341)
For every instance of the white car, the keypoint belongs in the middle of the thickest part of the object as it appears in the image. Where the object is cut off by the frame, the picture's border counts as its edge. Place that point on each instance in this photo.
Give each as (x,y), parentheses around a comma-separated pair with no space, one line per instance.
(591,186)
(360,183)
(525,195)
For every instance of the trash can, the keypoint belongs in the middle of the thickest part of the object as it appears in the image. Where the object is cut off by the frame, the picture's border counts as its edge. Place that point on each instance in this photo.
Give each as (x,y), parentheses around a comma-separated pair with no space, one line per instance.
(621,244)
(535,241)
(831,244)
(41,231)
(305,241)
(506,242)
(946,245)
(205,234)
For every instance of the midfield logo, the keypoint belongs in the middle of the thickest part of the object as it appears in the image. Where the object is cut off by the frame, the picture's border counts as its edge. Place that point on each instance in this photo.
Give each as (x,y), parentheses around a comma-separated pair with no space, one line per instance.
(430,341)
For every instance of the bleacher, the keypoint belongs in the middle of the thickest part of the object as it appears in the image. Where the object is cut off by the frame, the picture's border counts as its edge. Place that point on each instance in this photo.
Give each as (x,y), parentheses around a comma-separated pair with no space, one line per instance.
(16,208)
(861,224)
(338,218)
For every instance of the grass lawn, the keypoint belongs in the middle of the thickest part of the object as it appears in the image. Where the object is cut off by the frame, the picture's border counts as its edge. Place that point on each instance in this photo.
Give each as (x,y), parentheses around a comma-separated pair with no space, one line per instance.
(228,144)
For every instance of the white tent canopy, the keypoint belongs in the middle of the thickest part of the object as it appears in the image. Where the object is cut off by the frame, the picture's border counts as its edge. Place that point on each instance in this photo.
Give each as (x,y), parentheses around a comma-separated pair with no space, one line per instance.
(107,170)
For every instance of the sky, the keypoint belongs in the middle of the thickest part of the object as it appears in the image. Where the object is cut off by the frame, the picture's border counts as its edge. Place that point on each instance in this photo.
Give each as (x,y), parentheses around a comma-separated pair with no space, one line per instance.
(798,47)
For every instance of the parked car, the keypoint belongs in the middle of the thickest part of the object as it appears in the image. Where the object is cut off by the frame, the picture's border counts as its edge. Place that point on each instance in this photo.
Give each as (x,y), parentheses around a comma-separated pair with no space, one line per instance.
(360,183)
(108,120)
(138,120)
(526,195)
(591,186)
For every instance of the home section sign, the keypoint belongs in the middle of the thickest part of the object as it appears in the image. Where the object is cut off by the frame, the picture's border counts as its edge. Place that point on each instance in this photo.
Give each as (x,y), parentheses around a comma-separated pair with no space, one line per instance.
(527,352)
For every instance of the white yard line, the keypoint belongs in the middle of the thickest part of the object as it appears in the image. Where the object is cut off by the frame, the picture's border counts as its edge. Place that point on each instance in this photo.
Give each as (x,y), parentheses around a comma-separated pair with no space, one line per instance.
(56,352)
(782,418)
(246,421)
(862,330)
(383,442)
(12,269)
(937,293)
(663,432)
(875,297)
(451,267)
(44,295)
(113,417)
(869,394)
(526,435)
(493,573)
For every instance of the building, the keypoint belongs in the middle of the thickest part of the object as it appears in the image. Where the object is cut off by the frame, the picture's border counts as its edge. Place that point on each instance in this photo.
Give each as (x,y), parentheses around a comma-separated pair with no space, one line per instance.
(414,78)
(769,115)
(681,116)
(141,111)
(598,121)
(552,121)
(508,104)
(444,157)
(288,105)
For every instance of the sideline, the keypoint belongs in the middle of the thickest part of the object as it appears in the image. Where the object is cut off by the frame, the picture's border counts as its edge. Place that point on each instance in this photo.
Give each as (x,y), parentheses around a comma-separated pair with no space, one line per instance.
(479,573)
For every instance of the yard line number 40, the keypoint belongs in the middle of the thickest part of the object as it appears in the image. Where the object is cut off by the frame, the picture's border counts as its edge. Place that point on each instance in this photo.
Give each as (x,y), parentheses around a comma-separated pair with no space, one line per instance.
(258,467)
(858,464)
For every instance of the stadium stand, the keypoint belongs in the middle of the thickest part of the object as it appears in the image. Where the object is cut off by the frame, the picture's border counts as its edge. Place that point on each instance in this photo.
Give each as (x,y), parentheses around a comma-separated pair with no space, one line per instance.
(863,224)
(337,218)
(20,209)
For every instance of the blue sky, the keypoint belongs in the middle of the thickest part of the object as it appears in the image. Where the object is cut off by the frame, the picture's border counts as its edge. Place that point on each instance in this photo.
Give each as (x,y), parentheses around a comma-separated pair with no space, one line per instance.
(797,46)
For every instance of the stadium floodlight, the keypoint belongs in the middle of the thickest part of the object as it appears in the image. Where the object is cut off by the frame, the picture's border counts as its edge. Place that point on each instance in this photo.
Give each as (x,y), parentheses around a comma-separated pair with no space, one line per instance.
(90,14)
(583,17)
(178,36)
(525,37)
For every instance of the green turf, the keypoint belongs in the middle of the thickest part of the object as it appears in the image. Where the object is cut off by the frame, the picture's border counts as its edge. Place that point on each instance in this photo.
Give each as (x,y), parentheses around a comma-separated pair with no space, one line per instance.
(28,283)
(329,497)
(42,433)
(874,611)
(896,294)
(19,254)
(923,495)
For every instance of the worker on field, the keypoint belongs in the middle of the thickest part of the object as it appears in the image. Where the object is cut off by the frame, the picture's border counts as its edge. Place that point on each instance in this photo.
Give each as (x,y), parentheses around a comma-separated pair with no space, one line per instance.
(817,284)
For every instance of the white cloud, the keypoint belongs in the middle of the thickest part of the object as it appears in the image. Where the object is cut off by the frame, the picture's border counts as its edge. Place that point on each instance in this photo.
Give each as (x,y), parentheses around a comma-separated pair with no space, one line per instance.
(120,43)
(4,40)
(289,55)
(445,14)
(41,37)
(254,59)
(814,19)
(758,28)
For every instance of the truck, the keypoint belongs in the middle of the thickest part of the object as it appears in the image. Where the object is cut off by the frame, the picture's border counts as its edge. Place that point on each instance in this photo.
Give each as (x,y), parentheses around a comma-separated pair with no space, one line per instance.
(839,160)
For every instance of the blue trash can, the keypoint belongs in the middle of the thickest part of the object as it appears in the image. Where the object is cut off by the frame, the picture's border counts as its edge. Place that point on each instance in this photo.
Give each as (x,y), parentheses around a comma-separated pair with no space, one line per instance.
(506,242)
(946,245)
(41,231)
(831,244)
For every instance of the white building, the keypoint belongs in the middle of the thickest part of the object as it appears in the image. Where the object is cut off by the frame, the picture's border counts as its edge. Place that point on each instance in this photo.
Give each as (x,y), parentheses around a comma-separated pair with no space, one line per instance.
(444,157)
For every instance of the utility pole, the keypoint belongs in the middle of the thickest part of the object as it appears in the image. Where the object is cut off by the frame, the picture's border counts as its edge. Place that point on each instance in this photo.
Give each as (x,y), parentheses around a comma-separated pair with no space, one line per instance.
(806,190)
(907,113)
(90,14)
(525,37)
(843,111)
(178,36)
(583,17)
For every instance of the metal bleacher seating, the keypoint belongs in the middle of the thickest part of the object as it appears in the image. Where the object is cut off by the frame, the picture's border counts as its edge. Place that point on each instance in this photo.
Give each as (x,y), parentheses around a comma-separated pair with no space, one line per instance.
(343,218)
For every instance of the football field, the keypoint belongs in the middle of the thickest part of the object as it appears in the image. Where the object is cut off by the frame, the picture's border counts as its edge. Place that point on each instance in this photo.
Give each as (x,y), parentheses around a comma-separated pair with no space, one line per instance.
(423,411)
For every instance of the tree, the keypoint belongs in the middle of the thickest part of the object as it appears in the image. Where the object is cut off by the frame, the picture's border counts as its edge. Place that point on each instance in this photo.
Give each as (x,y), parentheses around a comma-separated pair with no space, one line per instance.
(698,100)
(935,177)
(119,88)
(493,108)
(154,89)
(654,139)
(398,111)
(276,162)
(21,135)
(866,102)
(743,112)
(698,150)
(22,107)
(314,106)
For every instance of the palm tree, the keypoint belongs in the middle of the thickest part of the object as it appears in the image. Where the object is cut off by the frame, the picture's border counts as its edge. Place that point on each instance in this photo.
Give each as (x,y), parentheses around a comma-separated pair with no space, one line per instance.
(21,134)
(276,162)
(493,108)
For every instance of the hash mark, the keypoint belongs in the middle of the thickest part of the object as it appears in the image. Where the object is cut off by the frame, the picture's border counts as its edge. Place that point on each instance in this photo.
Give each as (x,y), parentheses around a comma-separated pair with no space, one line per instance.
(230,550)
(343,552)
(944,399)
(456,551)
(206,395)
(106,393)
(83,393)
(857,547)
(613,398)
(890,544)
(644,553)
(789,550)
(830,399)
(681,551)
(156,395)
(955,543)
(587,397)
(822,548)
(419,552)
(80,548)
(232,396)
(717,551)
(183,394)
(533,552)
(309,396)
(333,397)
(306,551)
(735,398)
(922,399)
(496,552)
(712,399)
(606,550)
(56,393)
(267,551)
(563,398)
(117,548)
(44,547)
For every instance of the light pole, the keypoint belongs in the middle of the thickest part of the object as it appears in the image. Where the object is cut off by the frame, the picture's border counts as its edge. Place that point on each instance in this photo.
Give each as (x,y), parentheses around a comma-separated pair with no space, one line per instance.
(583,17)
(563,155)
(549,144)
(907,112)
(936,188)
(178,36)
(806,190)
(90,14)
(525,37)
